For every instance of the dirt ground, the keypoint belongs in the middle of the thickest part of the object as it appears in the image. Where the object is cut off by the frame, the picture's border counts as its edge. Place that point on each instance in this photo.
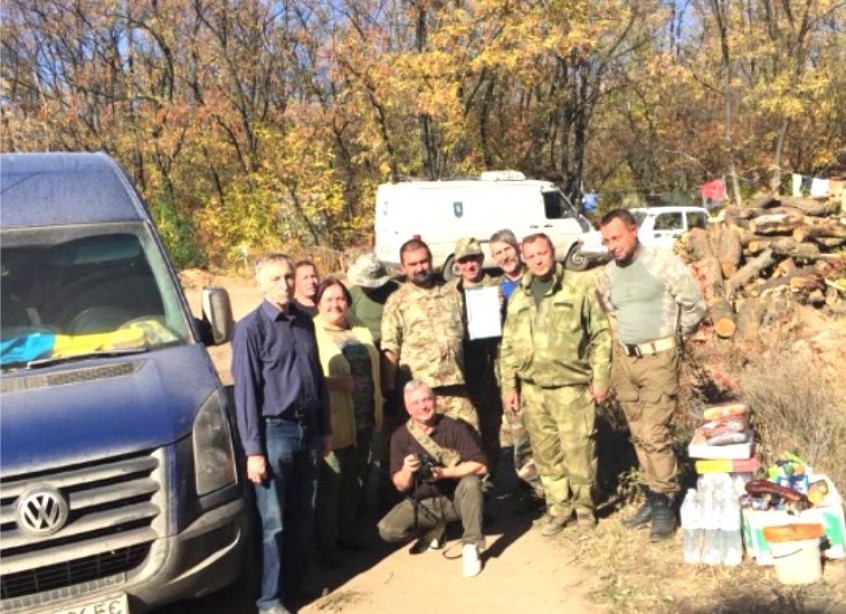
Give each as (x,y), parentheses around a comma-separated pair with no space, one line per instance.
(522,571)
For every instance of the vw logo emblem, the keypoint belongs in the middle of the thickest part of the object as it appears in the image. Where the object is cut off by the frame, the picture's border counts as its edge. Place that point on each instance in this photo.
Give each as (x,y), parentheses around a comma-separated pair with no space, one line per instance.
(42,511)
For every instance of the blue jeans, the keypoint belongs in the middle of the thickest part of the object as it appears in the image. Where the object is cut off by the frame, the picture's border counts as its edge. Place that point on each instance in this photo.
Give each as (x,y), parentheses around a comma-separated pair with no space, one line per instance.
(285,502)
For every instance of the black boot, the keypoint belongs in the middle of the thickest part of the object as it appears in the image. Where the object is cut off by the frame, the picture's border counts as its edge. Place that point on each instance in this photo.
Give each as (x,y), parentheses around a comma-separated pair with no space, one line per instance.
(643,515)
(663,518)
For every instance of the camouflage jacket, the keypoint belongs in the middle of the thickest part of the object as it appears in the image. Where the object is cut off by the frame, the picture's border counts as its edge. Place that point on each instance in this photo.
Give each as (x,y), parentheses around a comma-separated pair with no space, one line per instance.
(654,297)
(424,328)
(562,341)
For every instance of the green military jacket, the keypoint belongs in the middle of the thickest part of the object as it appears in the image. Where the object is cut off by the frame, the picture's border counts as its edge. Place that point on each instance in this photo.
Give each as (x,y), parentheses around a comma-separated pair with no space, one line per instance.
(424,328)
(562,341)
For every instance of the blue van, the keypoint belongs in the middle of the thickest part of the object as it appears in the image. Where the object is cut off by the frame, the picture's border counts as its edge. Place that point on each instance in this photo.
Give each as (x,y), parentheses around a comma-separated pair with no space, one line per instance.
(119,484)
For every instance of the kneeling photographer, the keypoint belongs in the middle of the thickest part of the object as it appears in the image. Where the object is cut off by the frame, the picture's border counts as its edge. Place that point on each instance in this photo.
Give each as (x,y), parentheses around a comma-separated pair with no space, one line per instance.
(439,463)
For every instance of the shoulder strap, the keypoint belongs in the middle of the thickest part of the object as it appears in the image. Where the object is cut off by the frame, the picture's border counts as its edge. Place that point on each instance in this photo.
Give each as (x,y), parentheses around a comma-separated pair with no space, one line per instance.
(445,456)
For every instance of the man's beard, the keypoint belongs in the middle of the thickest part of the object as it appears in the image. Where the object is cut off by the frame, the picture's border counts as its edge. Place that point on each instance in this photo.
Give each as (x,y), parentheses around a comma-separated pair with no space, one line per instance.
(422,278)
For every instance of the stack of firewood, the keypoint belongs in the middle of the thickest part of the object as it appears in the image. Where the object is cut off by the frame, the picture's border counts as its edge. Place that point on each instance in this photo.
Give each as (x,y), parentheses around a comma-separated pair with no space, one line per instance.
(774,245)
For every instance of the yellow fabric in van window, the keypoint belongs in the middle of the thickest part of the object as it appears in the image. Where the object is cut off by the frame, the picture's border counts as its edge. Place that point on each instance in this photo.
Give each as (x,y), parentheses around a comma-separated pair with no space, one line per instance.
(69,345)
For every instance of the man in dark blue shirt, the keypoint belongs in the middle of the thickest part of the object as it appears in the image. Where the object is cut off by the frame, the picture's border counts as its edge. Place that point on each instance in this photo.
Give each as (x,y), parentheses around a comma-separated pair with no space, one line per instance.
(283,423)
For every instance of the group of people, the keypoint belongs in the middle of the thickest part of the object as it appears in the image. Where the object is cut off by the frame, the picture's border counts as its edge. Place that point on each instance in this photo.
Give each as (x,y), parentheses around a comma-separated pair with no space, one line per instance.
(322,369)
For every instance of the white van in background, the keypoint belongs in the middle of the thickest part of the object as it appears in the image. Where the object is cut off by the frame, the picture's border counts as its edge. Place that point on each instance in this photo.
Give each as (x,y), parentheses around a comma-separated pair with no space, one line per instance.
(441,212)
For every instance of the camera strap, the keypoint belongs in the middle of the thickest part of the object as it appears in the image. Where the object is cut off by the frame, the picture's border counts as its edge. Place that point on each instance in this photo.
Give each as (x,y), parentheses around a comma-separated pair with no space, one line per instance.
(446,456)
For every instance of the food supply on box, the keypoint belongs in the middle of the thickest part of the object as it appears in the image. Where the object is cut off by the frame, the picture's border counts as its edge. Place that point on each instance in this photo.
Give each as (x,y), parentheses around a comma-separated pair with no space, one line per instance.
(731,451)
(726,410)
(829,514)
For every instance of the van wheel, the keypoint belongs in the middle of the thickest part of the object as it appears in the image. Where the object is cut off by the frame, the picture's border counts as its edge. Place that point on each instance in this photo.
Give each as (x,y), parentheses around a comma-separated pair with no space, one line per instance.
(576,260)
(448,272)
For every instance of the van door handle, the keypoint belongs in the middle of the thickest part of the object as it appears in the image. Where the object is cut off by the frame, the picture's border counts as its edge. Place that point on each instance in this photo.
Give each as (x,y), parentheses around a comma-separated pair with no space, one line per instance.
(533,225)
(547,225)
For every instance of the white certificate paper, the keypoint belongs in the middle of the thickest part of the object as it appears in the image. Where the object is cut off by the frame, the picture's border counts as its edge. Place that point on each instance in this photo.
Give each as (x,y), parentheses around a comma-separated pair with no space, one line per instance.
(483,312)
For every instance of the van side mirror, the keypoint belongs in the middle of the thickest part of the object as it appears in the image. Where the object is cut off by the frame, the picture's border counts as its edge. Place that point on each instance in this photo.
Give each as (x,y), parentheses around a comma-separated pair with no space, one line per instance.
(217,323)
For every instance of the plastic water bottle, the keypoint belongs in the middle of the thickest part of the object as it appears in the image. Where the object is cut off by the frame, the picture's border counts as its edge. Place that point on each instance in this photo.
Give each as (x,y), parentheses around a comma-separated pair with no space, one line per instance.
(732,540)
(691,519)
(711,547)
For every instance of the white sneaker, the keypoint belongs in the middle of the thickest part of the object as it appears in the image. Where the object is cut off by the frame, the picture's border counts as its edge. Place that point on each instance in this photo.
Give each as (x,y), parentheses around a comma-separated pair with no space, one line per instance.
(471,565)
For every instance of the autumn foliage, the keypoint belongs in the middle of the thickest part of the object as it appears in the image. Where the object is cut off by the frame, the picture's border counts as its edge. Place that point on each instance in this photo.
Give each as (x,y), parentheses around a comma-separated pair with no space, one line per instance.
(250,123)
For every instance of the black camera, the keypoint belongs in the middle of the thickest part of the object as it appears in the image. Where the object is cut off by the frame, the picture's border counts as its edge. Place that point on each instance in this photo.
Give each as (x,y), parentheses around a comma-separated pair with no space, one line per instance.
(427,463)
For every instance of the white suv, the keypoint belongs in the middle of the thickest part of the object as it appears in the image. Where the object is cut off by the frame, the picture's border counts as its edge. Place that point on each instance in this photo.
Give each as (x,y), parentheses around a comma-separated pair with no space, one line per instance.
(661,226)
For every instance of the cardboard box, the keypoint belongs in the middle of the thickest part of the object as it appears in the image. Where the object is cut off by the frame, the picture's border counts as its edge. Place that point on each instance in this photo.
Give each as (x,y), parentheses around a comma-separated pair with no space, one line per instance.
(727,465)
(829,515)
(732,451)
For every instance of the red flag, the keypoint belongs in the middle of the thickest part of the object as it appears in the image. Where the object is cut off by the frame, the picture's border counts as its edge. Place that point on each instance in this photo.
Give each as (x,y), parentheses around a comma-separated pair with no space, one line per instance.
(714,190)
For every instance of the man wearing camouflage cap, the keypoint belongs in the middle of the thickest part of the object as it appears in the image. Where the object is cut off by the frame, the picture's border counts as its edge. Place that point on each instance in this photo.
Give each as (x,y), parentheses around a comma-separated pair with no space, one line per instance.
(480,355)
(422,333)
(370,287)
(555,365)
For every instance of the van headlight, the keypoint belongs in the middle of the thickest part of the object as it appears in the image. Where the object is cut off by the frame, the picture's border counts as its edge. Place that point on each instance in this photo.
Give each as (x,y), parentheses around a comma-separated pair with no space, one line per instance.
(214,453)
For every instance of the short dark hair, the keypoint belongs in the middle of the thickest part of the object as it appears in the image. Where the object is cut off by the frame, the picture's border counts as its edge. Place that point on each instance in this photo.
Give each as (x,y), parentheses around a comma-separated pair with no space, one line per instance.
(537,236)
(413,245)
(304,263)
(624,215)
(327,283)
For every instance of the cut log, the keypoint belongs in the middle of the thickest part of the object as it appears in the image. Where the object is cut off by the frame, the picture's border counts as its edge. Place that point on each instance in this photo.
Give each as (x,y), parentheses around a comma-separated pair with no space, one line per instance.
(775,224)
(729,251)
(758,245)
(807,272)
(743,233)
(815,231)
(804,283)
(810,206)
(830,242)
(711,276)
(785,246)
(816,297)
(764,201)
(750,270)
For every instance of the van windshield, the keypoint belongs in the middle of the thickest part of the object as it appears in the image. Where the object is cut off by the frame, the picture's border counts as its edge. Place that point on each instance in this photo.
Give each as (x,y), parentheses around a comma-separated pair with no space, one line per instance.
(76,291)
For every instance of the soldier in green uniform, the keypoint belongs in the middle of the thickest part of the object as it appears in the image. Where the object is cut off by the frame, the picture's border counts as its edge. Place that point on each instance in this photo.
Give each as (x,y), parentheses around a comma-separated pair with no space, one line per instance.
(480,355)
(422,335)
(555,363)
(505,252)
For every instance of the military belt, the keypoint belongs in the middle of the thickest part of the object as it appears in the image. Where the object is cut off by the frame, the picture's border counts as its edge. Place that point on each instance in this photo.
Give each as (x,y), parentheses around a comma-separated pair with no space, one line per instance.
(648,347)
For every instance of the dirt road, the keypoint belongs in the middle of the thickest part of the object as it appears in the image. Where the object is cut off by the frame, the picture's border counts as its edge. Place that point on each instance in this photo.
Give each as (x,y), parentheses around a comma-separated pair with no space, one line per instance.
(522,571)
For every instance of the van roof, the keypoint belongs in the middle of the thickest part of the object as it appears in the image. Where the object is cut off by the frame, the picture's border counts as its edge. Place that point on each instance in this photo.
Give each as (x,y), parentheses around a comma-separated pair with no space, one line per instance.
(58,188)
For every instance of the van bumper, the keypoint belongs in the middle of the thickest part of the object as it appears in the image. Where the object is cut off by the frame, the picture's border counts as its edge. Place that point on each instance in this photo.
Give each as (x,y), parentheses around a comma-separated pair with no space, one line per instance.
(207,556)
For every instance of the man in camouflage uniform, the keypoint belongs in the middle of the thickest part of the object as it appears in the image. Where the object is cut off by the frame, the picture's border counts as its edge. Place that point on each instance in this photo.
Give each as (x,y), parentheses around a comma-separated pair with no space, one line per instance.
(556,354)
(505,252)
(480,354)
(652,298)
(422,334)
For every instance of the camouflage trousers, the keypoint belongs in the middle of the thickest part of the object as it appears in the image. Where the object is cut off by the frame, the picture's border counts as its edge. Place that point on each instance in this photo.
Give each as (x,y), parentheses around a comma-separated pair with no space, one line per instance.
(513,434)
(454,402)
(562,425)
(647,387)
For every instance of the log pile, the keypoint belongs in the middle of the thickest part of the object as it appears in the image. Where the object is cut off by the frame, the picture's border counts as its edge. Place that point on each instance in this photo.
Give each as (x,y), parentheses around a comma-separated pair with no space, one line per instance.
(775,245)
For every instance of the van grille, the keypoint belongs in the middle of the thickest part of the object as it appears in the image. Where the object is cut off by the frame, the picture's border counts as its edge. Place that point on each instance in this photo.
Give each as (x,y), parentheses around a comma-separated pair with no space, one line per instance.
(63,378)
(86,569)
(115,510)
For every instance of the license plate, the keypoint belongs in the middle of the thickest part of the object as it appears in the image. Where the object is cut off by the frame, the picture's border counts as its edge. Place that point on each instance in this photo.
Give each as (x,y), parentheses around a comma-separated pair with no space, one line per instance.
(113,604)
